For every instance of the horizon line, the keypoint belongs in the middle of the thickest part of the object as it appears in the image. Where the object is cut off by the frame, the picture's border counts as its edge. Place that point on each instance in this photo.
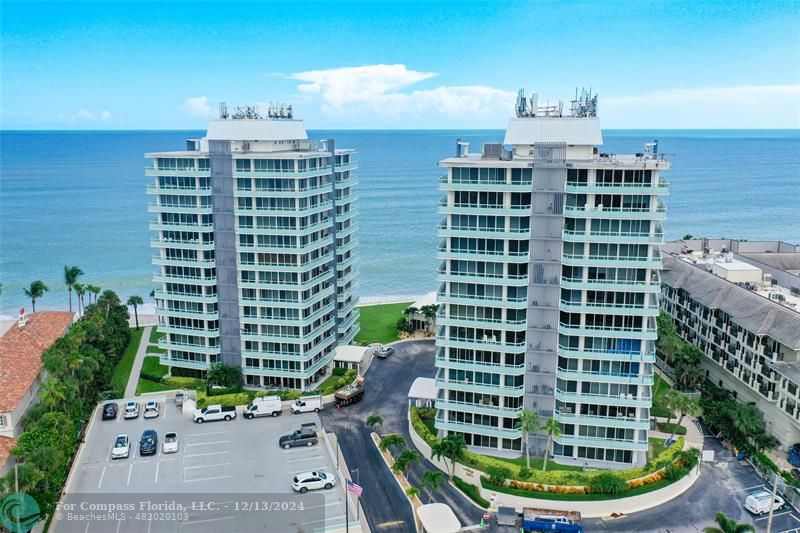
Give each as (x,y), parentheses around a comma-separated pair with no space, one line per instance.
(384,129)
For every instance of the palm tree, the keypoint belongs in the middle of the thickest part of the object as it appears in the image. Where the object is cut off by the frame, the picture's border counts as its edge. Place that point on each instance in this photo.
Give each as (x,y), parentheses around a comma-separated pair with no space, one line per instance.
(671,400)
(432,481)
(80,290)
(553,430)
(451,447)
(93,290)
(35,291)
(374,420)
(392,442)
(71,275)
(52,393)
(220,373)
(405,460)
(687,405)
(136,301)
(528,423)
(409,313)
(412,491)
(429,312)
(729,525)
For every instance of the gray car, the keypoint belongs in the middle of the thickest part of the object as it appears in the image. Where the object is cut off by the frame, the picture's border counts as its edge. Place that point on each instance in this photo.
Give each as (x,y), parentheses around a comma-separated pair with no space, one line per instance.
(384,351)
(301,437)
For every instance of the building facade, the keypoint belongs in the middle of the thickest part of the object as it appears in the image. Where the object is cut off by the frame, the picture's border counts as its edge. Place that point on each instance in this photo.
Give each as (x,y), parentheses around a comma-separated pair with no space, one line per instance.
(549,288)
(739,302)
(255,249)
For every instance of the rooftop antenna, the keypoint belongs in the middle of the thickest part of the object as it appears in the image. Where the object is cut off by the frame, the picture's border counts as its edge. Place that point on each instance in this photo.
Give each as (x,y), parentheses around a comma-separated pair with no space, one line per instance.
(223,110)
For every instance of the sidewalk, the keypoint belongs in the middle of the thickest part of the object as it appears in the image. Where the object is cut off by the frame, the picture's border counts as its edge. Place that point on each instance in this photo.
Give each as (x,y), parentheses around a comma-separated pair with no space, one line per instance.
(693,437)
(133,379)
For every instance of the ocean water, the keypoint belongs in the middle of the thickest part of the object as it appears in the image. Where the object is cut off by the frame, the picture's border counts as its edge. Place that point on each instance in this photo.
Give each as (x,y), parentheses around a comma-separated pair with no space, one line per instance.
(78,198)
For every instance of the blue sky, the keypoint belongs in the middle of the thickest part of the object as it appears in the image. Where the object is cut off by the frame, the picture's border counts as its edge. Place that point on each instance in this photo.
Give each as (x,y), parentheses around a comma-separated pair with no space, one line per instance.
(676,64)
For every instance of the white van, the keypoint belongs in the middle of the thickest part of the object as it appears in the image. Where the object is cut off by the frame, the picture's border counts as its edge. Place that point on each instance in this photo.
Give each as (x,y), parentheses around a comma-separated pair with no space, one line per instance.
(758,502)
(265,406)
(307,404)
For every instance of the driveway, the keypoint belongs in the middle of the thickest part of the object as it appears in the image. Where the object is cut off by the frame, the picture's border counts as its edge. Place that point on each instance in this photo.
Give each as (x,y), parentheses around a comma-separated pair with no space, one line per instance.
(387,384)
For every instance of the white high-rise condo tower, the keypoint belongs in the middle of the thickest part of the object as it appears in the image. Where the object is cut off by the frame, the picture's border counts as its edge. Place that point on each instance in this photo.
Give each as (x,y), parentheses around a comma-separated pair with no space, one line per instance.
(256,251)
(549,291)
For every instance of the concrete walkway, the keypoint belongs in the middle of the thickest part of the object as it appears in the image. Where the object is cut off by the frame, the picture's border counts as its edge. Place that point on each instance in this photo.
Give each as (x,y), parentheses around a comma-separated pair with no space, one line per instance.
(130,390)
(693,437)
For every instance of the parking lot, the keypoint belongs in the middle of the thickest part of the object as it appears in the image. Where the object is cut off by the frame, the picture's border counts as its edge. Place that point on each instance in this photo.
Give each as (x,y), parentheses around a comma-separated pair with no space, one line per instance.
(230,475)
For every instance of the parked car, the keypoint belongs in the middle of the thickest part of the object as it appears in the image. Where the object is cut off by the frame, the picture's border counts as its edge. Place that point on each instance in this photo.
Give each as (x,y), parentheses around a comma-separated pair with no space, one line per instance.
(796,473)
(793,455)
(384,351)
(122,447)
(313,481)
(110,411)
(151,409)
(148,444)
(170,444)
(214,412)
(131,410)
(301,437)
(759,502)
(306,404)
(266,406)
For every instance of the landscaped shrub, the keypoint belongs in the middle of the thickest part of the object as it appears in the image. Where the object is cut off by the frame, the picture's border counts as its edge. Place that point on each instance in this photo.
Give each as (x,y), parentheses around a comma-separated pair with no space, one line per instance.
(183,382)
(420,427)
(224,391)
(339,371)
(498,474)
(229,400)
(671,428)
(285,394)
(607,483)
(471,491)
(525,473)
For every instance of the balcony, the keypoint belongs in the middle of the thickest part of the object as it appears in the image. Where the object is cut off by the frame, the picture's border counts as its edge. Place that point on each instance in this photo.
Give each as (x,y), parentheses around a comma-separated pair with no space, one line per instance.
(186,347)
(606,377)
(613,237)
(195,210)
(183,172)
(515,370)
(487,388)
(626,422)
(619,444)
(623,213)
(660,187)
(652,286)
(178,244)
(479,429)
(478,408)
(625,400)
(481,344)
(607,331)
(628,310)
(615,260)
(321,171)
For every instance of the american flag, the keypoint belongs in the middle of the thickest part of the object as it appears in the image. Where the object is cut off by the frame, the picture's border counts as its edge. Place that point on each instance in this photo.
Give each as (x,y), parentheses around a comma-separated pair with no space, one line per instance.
(354,488)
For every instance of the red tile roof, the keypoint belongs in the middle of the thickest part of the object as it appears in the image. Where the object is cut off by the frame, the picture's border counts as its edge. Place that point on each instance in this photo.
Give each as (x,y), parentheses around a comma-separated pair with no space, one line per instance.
(6,445)
(21,353)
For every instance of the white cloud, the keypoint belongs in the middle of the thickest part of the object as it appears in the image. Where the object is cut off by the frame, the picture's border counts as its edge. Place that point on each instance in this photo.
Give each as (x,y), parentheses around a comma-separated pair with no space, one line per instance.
(744,106)
(84,115)
(366,95)
(197,107)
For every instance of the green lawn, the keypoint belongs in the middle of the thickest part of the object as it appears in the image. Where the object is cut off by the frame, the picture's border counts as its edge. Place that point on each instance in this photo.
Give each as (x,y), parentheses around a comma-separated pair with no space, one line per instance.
(660,388)
(378,322)
(333,383)
(123,371)
(145,385)
(152,367)
(537,463)
(155,335)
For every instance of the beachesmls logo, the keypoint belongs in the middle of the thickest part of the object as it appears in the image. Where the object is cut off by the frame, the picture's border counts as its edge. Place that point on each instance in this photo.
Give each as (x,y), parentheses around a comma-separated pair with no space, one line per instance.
(19,512)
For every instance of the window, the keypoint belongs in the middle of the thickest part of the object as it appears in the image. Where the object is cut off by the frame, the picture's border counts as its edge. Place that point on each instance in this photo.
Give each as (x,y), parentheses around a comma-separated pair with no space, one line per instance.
(2,421)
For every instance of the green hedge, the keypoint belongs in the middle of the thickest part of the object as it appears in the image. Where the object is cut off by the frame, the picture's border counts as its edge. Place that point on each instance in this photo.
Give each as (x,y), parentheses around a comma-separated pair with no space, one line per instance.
(671,427)
(471,491)
(229,400)
(576,497)
(183,383)
(152,369)
(420,427)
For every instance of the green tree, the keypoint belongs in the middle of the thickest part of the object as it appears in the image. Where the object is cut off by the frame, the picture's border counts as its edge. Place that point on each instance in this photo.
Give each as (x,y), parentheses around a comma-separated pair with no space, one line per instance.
(429,312)
(498,474)
(748,420)
(224,375)
(135,301)
(404,461)
(452,447)
(374,420)
(671,401)
(52,394)
(553,430)
(80,291)
(93,290)
(729,525)
(392,442)
(528,423)
(688,237)
(35,291)
(432,480)
(71,275)
(409,313)
(412,492)
(686,405)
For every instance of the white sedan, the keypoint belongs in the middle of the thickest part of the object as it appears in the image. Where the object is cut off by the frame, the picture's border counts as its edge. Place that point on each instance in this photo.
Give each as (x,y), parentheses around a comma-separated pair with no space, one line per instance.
(170,443)
(151,409)
(313,481)
(131,410)
(122,447)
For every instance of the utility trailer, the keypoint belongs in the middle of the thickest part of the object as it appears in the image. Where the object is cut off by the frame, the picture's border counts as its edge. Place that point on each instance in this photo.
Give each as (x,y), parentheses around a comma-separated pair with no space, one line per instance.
(352,393)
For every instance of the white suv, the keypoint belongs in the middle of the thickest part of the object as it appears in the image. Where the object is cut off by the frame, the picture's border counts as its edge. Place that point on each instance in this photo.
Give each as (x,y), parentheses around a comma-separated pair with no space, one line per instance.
(131,410)
(313,481)
(151,409)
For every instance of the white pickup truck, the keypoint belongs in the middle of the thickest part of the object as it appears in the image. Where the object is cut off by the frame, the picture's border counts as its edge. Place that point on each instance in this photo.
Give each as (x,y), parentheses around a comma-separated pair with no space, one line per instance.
(214,412)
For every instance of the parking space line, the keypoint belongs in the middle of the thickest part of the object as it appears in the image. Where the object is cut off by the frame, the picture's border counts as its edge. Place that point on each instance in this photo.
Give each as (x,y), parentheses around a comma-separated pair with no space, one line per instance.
(103,473)
(304,459)
(311,469)
(206,433)
(330,504)
(87,526)
(208,443)
(327,519)
(207,478)
(193,522)
(204,466)
(774,515)
(204,454)
(130,471)
(749,488)
(158,464)
(119,523)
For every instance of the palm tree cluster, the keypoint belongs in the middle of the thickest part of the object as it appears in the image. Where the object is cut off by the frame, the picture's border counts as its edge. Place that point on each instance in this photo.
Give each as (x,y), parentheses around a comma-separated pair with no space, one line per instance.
(683,358)
(684,404)
(71,276)
(427,311)
(79,367)
(741,424)
(529,423)
(729,525)
(452,447)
